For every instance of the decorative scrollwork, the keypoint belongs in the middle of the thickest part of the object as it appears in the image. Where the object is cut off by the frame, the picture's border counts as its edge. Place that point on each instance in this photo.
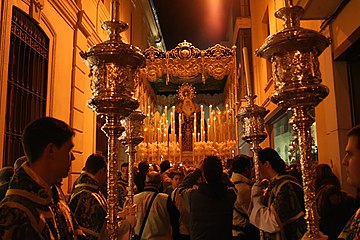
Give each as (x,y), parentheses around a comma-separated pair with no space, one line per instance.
(186,91)
(218,51)
(184,50)
(153,54)
(186,61)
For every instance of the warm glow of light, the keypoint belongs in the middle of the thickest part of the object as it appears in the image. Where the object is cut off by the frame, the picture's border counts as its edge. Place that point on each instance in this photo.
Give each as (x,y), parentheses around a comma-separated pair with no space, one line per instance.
(214,16)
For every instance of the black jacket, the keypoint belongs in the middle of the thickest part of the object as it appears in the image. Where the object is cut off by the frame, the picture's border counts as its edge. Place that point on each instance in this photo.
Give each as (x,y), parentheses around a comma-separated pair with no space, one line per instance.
(211,212)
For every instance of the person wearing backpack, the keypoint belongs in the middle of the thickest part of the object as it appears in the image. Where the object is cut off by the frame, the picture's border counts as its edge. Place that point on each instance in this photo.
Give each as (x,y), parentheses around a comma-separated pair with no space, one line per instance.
(157,216)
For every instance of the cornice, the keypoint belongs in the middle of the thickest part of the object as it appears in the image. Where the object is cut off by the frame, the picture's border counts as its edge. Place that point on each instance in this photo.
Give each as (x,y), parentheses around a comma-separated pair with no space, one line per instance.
(87,27)
(150,15)
(67,10)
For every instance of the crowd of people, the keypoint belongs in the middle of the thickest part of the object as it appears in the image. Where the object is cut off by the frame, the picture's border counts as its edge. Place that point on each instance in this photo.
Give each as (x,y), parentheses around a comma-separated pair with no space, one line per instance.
(211,201)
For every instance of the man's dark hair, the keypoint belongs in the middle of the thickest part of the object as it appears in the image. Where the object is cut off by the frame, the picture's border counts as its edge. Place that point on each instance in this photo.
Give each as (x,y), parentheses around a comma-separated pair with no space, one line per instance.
(212,169)
(175,173)
(124,165)
(94,163)
(229,163)
(324,175)
(164,165)
(143,166)
(270,155)
(355,131)
(241,163)
(41,132)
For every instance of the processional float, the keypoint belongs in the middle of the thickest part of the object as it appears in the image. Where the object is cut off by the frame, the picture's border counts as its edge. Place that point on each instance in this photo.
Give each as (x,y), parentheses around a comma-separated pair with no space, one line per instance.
(113,68)
(184,65)
(294,52)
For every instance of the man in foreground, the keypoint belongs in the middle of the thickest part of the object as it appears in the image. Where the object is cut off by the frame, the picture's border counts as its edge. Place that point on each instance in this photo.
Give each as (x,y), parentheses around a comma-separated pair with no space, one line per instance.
(25,212)
(351,162)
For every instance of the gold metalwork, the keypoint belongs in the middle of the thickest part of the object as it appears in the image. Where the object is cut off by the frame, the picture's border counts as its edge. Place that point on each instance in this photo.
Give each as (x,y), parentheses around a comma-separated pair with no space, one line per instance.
(294,55)
(252,119)
(134,129)
(113,66)
(186,61)
(186,91)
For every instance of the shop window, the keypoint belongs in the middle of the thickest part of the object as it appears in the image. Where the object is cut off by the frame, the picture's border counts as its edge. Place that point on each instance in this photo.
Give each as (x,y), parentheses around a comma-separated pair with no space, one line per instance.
(286,144)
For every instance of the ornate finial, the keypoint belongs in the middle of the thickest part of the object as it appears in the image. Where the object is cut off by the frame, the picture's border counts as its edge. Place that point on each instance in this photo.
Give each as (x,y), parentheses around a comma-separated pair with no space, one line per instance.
(186,91)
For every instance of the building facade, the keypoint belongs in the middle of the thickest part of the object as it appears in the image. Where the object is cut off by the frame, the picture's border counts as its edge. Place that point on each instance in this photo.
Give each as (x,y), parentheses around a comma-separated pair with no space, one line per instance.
(41,40)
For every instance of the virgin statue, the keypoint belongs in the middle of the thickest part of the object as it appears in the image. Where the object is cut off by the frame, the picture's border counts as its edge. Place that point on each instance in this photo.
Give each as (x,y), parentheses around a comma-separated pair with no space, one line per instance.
(189,112)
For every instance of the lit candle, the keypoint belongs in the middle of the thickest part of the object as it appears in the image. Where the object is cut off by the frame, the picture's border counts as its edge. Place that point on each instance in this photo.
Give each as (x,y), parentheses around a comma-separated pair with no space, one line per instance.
(201,122)
(220,126)
(152,153)
(208,129)
(215,140)
(211,123)
(166,131)
(171,126)
(193,146)
(247,71)
(227,130)
(173,123)
(150,134)
(159,135)
(232,122)
(195,127)
(180,130)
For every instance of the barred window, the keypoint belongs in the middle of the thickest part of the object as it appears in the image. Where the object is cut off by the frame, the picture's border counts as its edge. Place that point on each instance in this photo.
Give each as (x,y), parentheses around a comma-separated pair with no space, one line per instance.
(27,81)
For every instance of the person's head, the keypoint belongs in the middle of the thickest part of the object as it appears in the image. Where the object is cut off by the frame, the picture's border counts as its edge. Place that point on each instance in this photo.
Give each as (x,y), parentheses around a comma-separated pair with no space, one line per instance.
(198,176)
(212,168)
(176,178)
(351,160)
(164,165)
(153,178)
(143,167)
(96,165)
(6,174)
(19,162)
(124,171)
(270,163)
(324,175)
(229,163)
(242,164)
(48,143)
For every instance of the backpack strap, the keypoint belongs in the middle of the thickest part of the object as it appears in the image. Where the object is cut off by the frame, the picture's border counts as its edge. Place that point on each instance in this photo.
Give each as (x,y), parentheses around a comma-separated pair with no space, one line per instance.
(147,214)
(173,194)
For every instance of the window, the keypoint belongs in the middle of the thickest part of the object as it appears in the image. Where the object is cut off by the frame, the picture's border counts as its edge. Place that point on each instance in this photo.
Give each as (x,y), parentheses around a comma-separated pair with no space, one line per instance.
(286,144)
(27,81)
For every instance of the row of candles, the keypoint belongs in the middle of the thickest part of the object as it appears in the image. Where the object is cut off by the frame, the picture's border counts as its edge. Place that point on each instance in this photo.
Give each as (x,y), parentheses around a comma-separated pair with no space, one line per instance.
(219,126)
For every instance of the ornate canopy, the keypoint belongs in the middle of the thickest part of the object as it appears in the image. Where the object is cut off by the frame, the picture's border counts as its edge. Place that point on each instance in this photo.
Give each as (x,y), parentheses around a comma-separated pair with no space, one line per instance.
(166,71)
